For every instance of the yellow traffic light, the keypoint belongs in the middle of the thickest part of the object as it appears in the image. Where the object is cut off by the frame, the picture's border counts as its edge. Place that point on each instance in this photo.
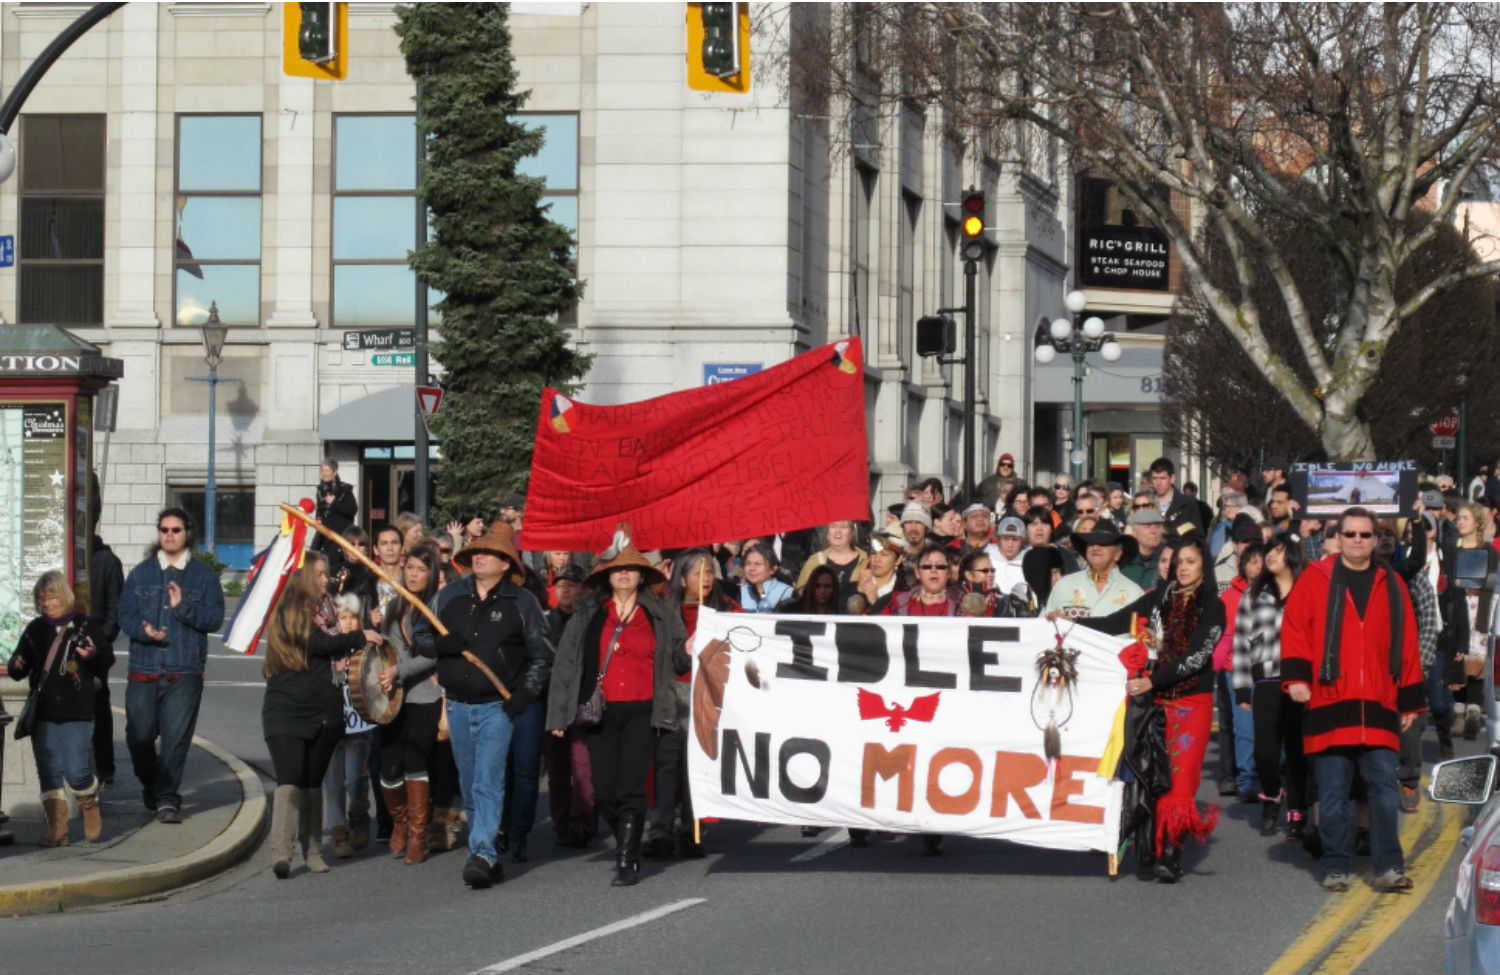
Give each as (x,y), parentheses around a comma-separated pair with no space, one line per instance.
(718,47)
(973,226)
(315,40)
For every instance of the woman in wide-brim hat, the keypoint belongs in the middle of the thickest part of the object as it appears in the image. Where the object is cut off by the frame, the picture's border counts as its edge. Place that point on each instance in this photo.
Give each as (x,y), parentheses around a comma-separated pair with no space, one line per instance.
(632,646)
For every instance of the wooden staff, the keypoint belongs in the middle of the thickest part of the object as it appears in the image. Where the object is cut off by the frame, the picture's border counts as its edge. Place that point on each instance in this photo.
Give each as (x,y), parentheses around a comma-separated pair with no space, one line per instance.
(364,560)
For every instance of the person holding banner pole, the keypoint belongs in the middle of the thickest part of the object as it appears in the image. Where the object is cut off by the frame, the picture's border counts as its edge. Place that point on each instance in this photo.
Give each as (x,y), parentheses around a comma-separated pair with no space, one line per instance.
(1186,621)
(302,715)
(628,647)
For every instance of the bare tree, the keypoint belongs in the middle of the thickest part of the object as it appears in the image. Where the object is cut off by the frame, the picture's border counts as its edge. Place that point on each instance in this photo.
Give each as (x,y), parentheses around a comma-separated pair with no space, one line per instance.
(1375,110)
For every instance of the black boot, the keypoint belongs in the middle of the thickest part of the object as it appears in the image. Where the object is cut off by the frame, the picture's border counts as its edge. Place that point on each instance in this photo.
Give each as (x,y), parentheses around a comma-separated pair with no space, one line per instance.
(628,851)
(1169,867)
(1270,812)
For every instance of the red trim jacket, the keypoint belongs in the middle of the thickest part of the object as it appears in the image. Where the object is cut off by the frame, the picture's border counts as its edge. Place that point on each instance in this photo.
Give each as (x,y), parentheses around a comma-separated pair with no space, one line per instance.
(1363,708)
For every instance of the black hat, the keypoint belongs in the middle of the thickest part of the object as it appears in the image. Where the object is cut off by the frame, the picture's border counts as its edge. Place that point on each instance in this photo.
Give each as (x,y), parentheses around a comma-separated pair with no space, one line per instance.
(517,501)
(570,572)
(1105,533)
(1244,529)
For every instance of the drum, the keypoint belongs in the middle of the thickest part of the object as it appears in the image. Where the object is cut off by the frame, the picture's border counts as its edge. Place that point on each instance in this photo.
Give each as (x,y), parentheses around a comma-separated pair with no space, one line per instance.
(365,692)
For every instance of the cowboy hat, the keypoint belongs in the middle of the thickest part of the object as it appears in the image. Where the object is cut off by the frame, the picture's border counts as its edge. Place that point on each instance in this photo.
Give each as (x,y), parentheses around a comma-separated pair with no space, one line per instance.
(622,554)
(499,539)
(1105,533)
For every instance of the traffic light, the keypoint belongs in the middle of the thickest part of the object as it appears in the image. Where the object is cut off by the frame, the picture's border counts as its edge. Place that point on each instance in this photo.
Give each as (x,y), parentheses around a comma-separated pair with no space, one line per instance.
(972,211)
(936,335)
(718,47)
(315,40)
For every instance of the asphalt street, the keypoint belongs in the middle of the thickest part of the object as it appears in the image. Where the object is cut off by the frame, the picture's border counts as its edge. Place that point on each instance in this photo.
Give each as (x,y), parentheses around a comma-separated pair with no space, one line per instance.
(765,899)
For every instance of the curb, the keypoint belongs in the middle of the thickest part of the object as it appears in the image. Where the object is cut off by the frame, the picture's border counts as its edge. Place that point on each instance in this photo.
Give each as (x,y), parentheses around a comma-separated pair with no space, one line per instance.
(237,841)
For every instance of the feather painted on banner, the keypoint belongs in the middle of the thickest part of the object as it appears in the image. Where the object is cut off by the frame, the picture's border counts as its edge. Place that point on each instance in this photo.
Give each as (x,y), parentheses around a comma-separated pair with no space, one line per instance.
(267,579)
(560,406)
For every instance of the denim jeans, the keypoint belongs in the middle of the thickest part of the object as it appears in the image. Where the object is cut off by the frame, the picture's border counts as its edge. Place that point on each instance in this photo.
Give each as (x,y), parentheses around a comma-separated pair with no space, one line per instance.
(1246,778)
(346,785)
(1439,697)
(480,734)
(1335,772)
(61,749)
(165,709)
(524,773)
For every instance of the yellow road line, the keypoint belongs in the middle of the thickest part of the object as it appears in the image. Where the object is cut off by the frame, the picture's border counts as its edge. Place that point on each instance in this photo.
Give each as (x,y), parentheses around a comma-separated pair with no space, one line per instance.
(1391,910)
(1342,910)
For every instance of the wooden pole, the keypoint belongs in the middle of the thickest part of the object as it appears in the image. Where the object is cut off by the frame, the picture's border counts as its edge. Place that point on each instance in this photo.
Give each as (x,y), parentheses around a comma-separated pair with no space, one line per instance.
(364,560)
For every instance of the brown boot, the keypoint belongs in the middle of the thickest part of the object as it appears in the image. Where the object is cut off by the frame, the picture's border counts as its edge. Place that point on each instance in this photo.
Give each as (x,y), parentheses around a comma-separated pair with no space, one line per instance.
(395,803)
(437,830)
(418,797)
(88,804)
(55,808)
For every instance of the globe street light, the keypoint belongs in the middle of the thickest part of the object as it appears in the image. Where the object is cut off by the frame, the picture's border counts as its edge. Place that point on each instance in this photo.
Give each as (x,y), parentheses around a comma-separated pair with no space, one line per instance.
(1061,335)
(214,334)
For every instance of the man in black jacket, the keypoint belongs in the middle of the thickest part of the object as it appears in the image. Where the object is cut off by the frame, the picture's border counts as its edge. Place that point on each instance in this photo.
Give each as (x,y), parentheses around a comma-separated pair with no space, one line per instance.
(493,663)
(106,579)
(1175,507)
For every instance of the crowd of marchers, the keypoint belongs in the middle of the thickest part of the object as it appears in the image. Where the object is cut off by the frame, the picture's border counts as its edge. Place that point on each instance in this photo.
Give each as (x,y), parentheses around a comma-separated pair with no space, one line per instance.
(1326,650)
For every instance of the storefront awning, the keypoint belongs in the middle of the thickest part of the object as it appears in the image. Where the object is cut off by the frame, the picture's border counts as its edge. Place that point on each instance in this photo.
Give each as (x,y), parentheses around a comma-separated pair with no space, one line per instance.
(389,416)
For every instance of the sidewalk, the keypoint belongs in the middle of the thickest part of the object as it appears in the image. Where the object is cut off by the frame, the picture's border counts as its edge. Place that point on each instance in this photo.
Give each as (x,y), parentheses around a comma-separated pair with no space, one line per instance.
(224,814)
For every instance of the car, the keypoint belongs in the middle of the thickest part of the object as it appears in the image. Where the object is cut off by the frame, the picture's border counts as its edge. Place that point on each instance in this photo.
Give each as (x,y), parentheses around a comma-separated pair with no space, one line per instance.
(1471,926)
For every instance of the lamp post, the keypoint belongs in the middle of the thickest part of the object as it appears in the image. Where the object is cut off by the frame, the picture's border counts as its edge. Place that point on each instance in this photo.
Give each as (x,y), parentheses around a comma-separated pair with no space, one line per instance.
(214,334)
(1078,339)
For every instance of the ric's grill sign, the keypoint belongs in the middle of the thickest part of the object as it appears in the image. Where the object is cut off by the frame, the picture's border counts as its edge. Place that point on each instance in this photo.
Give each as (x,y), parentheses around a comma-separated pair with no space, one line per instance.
(930,725)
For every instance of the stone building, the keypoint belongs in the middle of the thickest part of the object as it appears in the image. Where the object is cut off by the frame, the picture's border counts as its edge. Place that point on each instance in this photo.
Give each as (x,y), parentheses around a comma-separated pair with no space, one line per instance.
(166,163)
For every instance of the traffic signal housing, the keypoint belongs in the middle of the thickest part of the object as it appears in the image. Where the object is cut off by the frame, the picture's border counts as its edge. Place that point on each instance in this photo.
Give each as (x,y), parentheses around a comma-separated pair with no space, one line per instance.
(936,335)
(973,225)
(718,47)
(315,40)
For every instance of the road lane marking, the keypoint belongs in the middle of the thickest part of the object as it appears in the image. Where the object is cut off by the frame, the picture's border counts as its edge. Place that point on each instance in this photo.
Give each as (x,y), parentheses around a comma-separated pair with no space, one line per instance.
(510,964)
(1392,910)
(839,839)
(1340,911)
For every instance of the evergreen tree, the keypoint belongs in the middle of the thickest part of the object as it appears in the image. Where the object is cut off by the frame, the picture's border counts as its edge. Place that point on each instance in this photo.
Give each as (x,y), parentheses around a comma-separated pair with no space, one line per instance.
(506,271)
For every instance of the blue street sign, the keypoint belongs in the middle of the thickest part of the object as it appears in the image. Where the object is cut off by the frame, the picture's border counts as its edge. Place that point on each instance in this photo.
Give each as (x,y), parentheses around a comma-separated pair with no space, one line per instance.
(722,372)
(8,251)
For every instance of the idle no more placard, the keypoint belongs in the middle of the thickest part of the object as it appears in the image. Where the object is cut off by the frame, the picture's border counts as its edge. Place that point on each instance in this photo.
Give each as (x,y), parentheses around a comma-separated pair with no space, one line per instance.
(931,725)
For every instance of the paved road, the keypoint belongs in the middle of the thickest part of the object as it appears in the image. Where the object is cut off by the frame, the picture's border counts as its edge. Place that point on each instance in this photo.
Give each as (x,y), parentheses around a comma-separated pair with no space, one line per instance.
(759,903)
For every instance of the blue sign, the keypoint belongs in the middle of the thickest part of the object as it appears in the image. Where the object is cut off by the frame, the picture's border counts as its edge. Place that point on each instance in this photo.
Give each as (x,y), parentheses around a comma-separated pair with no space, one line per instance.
(8,251)
(722,372)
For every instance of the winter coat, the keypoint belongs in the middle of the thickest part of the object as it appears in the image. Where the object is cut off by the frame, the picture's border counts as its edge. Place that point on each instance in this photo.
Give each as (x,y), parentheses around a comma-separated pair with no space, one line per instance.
(301,702)
(505,630)
(106,579)
(576,669)
(1363,707)
(68,693)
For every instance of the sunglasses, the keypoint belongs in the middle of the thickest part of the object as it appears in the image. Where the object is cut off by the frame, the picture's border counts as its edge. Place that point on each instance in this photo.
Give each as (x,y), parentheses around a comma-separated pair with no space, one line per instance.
(1139,507)
(983,572)
(1005,463)
(170,531)
(1358,534)
(934,567)
(1088,511)
(445,551)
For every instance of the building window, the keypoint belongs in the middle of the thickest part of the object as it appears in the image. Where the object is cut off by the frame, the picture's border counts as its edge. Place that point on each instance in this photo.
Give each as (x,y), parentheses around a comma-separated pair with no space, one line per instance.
(861,260)
(374,220)
(234,520)
(218,219)
(61,253)
(557,163)
(907,273)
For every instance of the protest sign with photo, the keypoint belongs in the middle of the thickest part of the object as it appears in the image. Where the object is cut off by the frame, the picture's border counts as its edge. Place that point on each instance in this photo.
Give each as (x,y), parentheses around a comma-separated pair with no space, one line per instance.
(1384,487)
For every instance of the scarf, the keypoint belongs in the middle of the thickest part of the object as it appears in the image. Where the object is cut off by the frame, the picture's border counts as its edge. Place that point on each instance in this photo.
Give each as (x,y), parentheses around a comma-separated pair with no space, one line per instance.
(1338,590)
(1181,609)
(59,621)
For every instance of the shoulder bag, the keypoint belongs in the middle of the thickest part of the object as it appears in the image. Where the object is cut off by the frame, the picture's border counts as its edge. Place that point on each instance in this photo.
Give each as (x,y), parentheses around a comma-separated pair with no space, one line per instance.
(591,712)
(26,720)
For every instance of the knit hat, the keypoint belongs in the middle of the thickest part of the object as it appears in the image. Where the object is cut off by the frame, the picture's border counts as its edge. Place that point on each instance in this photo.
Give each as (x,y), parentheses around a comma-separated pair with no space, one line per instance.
(975,507)
(918,512)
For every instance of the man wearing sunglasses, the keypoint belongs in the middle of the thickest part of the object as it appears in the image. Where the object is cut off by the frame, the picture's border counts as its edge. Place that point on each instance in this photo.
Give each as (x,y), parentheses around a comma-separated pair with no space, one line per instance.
(1350,654)
(169,605)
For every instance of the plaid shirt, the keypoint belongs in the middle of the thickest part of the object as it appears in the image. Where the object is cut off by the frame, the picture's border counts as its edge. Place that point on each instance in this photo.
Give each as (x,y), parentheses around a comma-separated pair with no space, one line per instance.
(1257,643)
(1424,604)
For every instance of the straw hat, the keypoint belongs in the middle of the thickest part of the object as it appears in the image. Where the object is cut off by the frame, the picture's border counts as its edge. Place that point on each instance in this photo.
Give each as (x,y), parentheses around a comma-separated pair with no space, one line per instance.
(499,539)
(622,554)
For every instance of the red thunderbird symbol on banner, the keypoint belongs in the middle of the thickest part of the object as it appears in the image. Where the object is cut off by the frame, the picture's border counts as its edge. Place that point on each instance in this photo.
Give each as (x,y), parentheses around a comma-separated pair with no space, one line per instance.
(873,706)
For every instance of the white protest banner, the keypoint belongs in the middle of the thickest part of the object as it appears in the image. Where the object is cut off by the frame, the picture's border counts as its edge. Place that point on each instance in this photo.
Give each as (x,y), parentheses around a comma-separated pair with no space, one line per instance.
(910,725)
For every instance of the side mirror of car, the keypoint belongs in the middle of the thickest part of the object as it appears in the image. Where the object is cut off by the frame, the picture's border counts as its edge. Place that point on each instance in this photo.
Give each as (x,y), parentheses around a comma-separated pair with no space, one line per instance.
(1466,780)
(1472,569)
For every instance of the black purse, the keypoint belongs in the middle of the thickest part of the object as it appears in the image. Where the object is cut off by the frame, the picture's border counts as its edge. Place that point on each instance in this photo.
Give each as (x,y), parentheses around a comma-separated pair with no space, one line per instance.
(591,712)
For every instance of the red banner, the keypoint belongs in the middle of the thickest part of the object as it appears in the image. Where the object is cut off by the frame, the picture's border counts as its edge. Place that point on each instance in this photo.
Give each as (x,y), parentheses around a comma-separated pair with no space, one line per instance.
(775,451)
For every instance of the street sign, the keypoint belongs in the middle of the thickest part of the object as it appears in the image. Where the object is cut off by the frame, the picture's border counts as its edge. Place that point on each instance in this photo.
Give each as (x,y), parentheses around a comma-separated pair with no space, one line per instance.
(393,359)
(1444,443)
(722,372)
(8,250)
(379,338)
(1446,424)
(428,398)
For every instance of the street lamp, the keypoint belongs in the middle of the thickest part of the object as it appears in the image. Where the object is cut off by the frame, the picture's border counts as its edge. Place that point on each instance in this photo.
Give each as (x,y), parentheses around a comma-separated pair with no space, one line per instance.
(1077,339)
(214,334)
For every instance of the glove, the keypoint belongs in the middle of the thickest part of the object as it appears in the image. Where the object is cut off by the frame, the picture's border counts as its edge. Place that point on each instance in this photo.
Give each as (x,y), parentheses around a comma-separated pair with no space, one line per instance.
(451,645)
(520,700)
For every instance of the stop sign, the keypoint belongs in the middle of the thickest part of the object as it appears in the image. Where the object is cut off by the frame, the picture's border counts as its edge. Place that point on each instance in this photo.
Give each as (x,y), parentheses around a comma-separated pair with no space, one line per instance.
(1446,424)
